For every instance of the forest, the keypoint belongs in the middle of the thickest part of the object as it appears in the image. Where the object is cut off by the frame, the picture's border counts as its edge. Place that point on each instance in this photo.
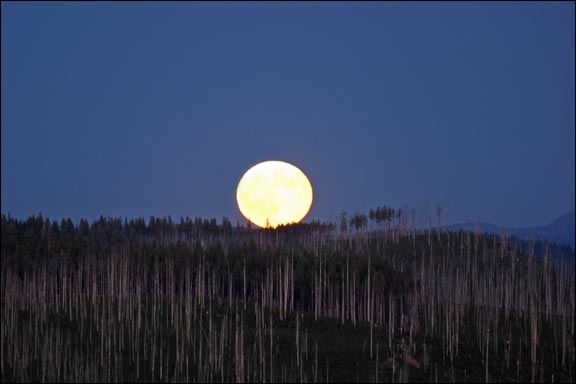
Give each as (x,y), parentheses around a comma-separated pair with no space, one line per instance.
(387,296)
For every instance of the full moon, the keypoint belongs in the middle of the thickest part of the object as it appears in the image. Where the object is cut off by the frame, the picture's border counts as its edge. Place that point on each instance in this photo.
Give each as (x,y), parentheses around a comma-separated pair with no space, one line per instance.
(274,193)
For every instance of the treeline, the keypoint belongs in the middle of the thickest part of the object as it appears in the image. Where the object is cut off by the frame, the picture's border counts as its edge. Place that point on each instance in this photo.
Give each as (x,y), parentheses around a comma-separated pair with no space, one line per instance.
(38,237)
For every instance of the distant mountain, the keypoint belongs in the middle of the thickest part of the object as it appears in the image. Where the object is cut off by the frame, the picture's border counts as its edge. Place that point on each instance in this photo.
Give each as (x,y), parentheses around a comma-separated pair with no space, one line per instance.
(559,231)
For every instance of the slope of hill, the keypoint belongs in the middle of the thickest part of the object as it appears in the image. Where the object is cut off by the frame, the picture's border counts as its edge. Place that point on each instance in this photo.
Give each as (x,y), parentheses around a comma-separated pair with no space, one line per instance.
(559,231)
(130,301)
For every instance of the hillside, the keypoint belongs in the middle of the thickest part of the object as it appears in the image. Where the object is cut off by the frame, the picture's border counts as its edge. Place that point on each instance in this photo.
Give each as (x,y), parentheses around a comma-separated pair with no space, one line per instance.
(207,302)
(560,231)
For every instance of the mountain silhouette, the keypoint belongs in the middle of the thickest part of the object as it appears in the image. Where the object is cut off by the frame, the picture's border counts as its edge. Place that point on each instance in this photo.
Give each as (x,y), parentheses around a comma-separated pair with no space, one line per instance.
(559,231)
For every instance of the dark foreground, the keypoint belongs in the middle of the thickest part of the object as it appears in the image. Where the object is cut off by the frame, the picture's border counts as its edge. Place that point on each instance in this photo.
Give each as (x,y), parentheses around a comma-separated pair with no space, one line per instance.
(200,302)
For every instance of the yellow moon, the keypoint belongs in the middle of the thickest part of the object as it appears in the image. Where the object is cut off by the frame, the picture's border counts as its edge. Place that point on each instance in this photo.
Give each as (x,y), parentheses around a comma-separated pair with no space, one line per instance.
(273,193)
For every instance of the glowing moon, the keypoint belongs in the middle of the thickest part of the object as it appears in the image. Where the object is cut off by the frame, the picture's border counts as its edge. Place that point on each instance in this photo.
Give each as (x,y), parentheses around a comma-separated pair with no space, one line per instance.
(273,193)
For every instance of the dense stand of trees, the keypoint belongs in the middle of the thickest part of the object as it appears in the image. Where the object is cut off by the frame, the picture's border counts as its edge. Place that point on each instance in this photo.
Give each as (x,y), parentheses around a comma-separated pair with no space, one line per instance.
(378,297)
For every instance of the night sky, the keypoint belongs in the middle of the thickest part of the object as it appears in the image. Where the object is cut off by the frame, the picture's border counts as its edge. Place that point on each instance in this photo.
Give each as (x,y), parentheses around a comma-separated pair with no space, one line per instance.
(141,109)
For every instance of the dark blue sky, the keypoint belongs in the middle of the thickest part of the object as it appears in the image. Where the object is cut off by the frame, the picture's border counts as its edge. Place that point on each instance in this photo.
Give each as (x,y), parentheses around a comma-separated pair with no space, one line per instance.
(139,109)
